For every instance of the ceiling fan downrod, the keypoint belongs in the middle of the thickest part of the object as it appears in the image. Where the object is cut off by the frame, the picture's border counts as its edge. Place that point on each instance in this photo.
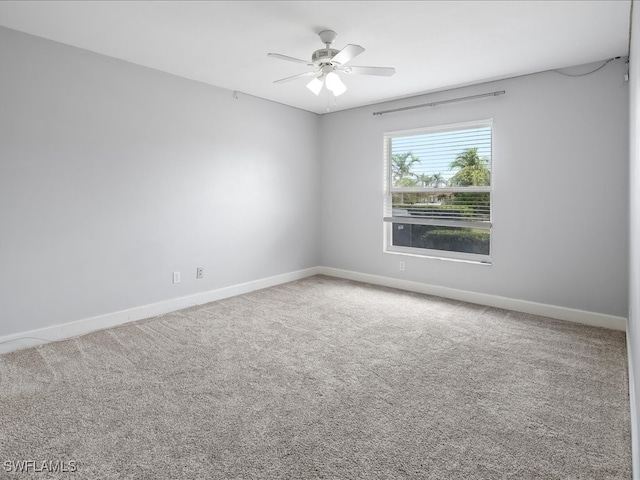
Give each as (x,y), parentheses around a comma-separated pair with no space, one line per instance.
(324,55)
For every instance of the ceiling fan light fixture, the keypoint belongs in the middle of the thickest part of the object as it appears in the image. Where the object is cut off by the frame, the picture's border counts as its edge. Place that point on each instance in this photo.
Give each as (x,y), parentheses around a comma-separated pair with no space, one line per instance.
(325,64)
(315,86)
(334,84)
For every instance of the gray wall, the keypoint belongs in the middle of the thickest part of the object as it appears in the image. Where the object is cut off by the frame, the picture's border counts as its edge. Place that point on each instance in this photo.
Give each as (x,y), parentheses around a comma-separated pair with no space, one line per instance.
(560,158)
(112,176)
(633,331)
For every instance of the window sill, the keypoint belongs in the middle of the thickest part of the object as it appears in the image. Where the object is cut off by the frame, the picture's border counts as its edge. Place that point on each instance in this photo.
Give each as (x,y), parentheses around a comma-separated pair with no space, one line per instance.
(486,262)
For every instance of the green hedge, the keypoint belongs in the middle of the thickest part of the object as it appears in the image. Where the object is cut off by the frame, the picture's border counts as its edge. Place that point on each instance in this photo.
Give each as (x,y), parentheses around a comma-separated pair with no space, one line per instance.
(456,240)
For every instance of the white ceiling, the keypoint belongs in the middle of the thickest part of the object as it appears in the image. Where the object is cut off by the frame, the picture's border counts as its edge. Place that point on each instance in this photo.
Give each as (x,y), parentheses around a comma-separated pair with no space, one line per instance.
(432,44)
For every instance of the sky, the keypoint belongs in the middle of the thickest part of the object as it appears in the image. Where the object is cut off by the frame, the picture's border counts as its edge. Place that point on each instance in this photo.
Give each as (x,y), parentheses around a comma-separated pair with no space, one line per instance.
(437,150)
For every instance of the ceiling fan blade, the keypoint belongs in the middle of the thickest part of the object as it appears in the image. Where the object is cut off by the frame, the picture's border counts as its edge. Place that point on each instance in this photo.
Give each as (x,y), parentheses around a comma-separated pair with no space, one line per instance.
(347,53)
(380,71)
(290,59)
(300,75)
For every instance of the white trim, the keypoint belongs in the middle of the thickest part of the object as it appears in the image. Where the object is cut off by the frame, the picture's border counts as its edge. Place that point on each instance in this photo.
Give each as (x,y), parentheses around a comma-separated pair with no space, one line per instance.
(635,454)
(439,254)
(40,336)
(524,306)
(409,253)
(487,122)
(17,341)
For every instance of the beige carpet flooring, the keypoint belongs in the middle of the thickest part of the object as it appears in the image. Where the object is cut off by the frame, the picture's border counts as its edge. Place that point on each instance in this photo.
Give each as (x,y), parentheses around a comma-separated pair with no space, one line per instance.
(323,378)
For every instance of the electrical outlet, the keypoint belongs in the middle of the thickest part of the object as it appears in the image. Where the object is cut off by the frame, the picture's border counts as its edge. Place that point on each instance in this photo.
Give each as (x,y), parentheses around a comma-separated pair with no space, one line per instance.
(199,272)
(176,277)
(401,265)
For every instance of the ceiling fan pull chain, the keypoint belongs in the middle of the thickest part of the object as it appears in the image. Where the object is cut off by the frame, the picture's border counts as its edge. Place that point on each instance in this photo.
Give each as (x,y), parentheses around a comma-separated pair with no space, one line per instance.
(331,95)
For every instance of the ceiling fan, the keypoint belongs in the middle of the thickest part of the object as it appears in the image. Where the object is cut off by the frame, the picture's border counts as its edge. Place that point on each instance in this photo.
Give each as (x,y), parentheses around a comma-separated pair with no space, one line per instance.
(327,62)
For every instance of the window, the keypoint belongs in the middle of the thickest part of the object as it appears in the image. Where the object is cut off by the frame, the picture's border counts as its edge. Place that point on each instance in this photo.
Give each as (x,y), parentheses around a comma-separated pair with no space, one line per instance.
(438,192)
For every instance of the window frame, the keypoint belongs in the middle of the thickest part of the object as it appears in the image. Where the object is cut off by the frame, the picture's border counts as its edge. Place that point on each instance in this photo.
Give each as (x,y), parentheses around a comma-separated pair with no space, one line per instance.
(389,220)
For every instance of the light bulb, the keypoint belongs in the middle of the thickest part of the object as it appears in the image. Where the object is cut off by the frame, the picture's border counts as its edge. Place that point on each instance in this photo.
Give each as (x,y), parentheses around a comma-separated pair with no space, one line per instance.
(315,86)
(335,84)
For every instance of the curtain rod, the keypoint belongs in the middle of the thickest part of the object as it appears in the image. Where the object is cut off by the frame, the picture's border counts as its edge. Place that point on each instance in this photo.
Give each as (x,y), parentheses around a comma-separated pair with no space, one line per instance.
(433,104)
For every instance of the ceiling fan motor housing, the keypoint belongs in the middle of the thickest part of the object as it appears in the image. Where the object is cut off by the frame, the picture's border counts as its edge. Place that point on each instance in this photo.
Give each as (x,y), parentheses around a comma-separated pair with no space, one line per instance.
(323,55)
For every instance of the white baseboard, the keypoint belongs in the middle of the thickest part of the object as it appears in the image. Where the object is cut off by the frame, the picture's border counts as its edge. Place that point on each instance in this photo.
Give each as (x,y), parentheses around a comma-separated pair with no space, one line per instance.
(524,306)
(40,336)
(635,454)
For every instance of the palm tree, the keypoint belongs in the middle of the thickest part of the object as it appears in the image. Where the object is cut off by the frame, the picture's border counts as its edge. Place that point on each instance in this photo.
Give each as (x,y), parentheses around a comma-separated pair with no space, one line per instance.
(425,179)
(401,165)
(437,179)
(472,171)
